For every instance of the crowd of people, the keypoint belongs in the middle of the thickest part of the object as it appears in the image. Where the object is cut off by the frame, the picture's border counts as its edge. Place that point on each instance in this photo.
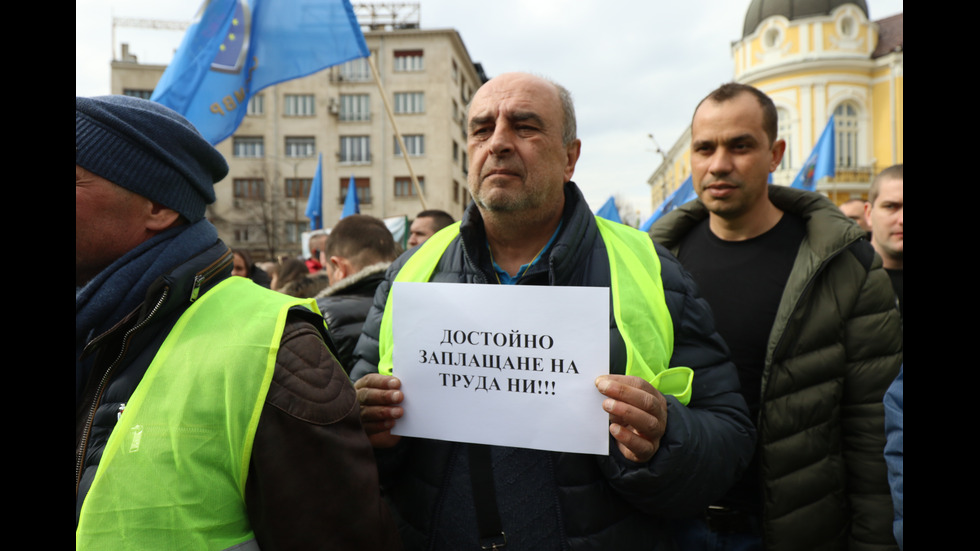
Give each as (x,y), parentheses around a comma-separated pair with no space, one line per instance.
(213,412)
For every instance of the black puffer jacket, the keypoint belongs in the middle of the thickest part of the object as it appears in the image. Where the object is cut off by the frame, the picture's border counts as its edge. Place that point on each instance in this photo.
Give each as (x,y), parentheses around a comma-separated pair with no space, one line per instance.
(835,347)
(345,306)
(605,502)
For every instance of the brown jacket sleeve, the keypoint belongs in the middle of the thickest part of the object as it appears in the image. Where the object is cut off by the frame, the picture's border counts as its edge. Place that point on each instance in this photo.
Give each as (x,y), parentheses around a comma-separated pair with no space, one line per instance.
(312,481)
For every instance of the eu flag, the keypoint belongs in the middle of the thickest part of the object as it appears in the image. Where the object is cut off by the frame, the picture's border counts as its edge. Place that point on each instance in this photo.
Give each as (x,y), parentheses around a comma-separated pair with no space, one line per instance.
(234,48)
(821,161)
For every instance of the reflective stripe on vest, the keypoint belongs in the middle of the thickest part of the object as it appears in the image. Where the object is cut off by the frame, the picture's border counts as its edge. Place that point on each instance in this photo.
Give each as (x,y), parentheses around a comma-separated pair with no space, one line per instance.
(639,306)
(172,475)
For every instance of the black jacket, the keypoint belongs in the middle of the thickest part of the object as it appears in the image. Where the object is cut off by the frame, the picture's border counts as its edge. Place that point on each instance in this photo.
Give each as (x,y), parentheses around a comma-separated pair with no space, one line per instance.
(345,306)
(605,502)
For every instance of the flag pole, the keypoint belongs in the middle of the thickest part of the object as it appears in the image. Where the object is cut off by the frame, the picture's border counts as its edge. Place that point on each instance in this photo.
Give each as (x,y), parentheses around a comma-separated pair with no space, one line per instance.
(398,136)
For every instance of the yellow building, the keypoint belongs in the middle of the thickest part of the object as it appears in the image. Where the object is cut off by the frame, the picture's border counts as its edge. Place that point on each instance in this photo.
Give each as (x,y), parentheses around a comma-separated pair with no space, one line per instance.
(816,59)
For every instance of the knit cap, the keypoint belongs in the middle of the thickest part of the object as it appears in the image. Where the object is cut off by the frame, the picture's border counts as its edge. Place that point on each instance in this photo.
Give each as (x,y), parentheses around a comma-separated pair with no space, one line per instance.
(148,149)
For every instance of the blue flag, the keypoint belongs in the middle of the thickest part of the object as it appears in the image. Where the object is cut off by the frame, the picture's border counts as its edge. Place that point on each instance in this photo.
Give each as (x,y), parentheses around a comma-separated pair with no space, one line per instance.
(681,195)
(234,48)
(609,211)
(314,205)
(821,161)
(351,203)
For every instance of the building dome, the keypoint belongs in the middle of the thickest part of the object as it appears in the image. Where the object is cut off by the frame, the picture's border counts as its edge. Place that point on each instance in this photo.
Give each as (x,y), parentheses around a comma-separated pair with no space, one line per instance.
(759,10)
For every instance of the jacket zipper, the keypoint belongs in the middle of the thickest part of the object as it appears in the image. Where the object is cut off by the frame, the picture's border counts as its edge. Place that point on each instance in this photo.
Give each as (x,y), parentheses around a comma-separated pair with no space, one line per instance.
(768,371)
(83,445)
(806,289)
(563,537)
(206,274)
(200,279)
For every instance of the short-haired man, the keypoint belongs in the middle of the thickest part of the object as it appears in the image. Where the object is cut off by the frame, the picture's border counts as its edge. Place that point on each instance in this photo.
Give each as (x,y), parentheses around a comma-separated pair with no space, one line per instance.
(209,414)
(807,311)
(854,209)
(426,224)
(884,214)
(530,225)
(355,256)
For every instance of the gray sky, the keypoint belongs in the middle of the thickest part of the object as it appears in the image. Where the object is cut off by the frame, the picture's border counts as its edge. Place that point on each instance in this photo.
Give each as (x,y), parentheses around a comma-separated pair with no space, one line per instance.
(634,70)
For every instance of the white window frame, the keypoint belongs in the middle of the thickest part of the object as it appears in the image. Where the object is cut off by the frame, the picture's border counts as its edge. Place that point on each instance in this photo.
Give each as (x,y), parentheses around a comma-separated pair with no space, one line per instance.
(300,147)
(414,144)
(847,127)
(355,107)
(355,70)
(407,103)
(409,60)
(248,147)
(256,105)
(355,150)
(300,105)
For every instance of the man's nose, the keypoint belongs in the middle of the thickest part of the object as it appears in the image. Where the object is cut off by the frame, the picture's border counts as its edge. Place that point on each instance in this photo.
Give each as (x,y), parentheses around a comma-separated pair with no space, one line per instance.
(721,162)
(502,141)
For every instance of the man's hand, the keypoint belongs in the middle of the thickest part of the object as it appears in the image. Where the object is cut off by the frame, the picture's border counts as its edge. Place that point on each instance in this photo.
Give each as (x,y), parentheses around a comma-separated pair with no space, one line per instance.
(379,398)
(637,415)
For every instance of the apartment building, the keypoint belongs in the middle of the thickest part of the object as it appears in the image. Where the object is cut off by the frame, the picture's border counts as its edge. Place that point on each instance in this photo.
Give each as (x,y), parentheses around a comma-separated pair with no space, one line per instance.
(428,77)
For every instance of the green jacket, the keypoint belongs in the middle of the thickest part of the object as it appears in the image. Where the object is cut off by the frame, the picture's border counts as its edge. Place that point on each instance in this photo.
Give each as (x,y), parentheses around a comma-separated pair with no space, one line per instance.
(834,348)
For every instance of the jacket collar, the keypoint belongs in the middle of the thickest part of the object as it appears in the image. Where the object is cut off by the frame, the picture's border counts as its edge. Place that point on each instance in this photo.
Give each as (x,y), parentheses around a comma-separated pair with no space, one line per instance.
(367,277)
(569,251)
(174,291)
(828,230)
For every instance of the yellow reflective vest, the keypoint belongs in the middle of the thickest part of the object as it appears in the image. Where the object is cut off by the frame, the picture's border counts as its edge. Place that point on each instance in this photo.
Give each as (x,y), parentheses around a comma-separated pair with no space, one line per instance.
(637,291)
(172,475)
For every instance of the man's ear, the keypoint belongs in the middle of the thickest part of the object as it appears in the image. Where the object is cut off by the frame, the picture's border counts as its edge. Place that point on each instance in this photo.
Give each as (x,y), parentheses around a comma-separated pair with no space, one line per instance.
(778,150)
(342,267)
(159,218)
(572,152)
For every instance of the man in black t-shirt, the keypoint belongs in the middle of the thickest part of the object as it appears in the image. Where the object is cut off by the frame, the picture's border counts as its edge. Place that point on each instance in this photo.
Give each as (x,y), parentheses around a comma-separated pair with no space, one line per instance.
(884,213)
(809,315)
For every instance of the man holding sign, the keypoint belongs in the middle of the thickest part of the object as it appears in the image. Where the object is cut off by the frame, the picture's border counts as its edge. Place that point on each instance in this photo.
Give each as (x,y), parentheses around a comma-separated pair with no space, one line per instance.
(530,225)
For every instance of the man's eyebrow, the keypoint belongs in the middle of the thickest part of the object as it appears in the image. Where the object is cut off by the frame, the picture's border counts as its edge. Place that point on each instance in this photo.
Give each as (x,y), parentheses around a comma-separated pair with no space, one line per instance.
(741,138)
(479,121)
(518,116)
(524,116)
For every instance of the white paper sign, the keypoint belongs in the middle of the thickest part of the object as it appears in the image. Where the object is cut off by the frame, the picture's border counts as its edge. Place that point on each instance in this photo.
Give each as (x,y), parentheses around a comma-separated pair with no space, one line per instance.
(507,365)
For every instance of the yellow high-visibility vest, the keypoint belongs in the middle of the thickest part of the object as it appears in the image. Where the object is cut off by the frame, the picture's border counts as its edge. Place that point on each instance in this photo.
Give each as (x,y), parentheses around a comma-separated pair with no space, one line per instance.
(172,475)
(637,291)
